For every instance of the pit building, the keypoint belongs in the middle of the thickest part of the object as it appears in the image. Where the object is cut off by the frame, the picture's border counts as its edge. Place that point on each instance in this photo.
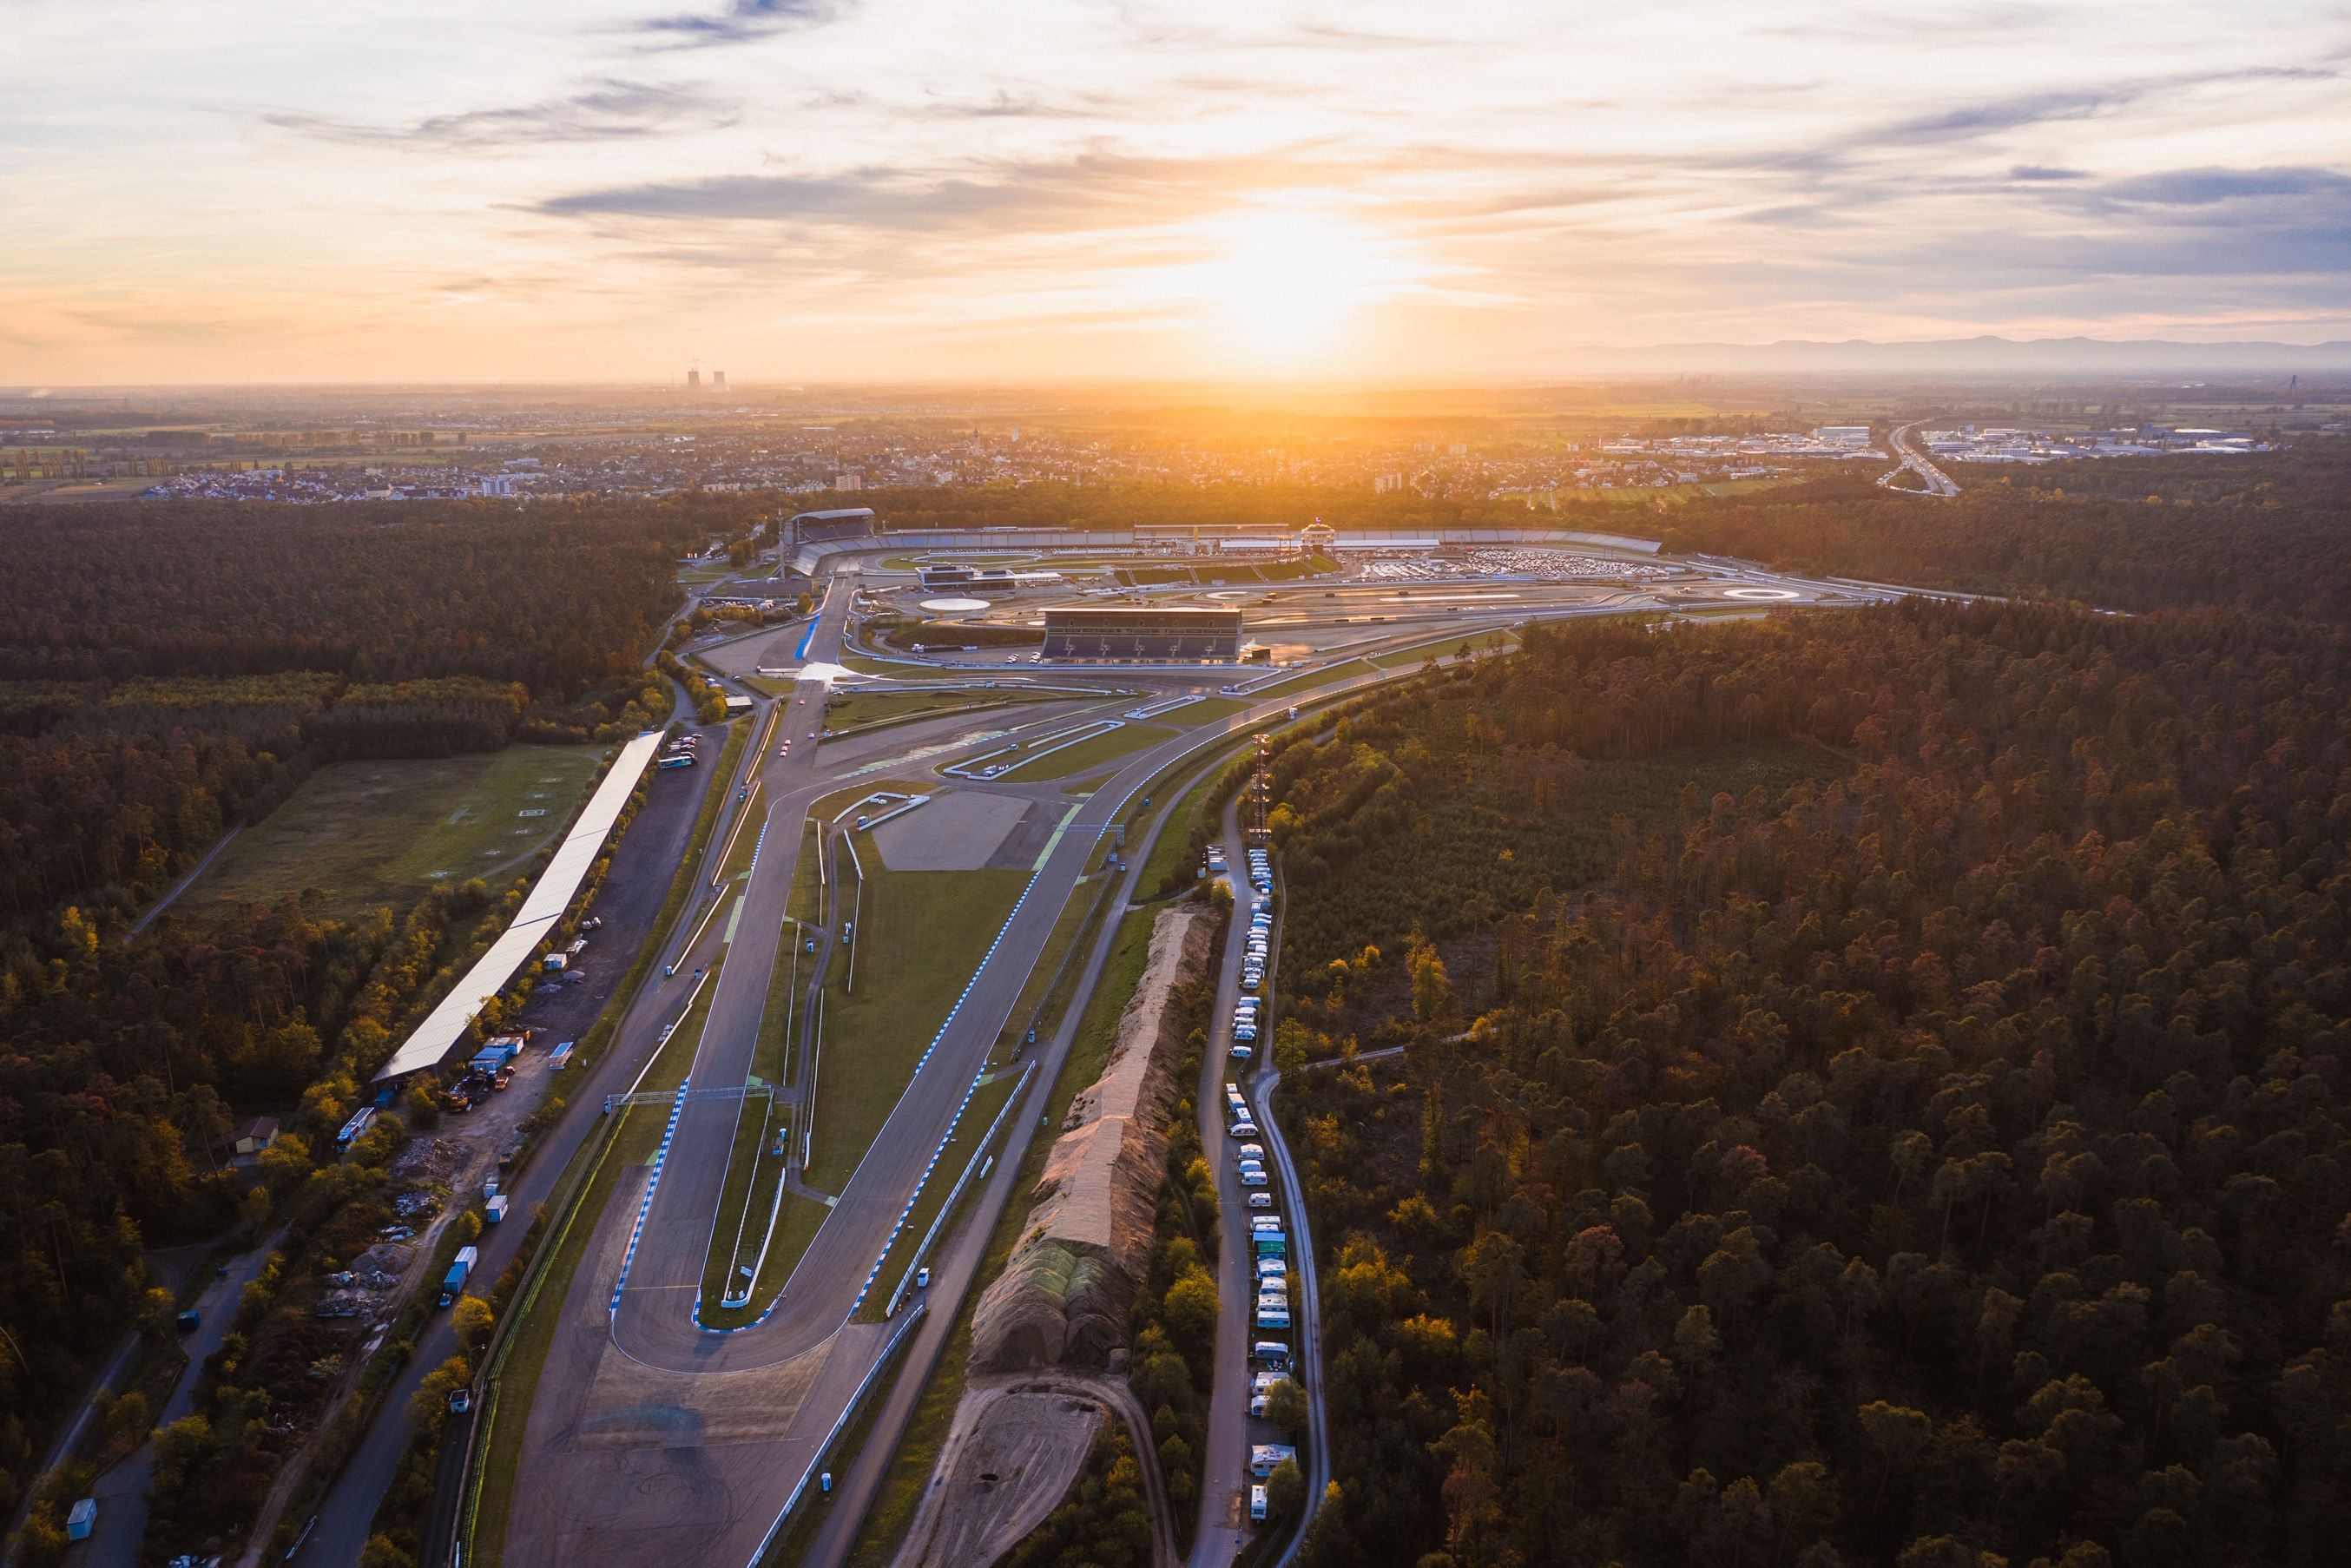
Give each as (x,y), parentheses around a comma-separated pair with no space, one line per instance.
(1134,632)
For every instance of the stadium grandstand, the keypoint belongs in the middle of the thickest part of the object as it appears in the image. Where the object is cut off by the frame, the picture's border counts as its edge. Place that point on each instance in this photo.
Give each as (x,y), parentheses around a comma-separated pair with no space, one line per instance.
(1150,635)
(836,523)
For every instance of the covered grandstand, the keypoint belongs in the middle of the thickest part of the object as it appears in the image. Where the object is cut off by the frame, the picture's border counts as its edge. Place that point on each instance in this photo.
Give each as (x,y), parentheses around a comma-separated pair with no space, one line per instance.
(1158,636)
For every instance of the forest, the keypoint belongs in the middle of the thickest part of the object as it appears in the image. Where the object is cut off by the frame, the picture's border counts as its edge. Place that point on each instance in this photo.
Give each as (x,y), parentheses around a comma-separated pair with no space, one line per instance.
(1125,505)
(1930,1150)
(2265,535)
(164,672)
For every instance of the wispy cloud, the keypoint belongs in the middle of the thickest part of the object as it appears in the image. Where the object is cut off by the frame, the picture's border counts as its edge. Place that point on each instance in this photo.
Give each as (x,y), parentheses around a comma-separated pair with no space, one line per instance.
(1967,121)
(739,22)
(1052,194)
(607,111)
(1971,122)
(2309,188)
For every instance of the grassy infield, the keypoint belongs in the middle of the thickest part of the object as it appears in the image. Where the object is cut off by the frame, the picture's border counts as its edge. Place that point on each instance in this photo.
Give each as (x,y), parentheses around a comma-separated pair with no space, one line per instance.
(922,936)
(1091,752)
(859,709)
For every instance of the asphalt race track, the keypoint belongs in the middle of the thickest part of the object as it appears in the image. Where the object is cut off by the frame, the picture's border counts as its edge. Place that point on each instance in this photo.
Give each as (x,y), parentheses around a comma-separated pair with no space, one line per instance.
(654,1440)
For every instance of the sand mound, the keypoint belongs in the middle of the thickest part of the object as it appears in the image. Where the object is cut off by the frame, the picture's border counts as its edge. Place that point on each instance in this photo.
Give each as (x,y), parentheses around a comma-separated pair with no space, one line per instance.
(1063,1296)
(1010,1459)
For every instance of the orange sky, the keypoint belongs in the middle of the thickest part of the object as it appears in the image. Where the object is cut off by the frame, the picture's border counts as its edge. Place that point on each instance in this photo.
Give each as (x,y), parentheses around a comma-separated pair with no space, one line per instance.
(820,189)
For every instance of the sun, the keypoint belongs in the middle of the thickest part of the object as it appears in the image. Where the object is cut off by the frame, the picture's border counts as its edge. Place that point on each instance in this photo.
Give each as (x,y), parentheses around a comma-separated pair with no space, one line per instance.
(1287,284)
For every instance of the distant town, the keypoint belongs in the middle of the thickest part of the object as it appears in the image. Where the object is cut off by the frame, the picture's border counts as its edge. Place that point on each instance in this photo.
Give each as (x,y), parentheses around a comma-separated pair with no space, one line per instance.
(525,448)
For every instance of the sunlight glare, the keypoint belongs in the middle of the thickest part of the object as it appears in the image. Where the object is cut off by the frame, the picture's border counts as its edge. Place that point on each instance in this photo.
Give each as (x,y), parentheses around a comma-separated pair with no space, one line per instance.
(1284,285)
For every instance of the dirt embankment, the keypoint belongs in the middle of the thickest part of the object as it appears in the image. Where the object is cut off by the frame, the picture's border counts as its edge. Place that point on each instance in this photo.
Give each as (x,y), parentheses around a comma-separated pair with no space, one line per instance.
(1063,1297)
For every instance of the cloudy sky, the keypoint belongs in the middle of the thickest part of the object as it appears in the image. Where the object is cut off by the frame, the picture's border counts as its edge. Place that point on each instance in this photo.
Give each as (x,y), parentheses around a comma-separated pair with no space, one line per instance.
(805,190)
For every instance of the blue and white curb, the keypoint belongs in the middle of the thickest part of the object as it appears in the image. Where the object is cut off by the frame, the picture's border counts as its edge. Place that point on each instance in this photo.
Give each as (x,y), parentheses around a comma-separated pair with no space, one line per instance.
(637,1232)
(866,1288)
(914,1197)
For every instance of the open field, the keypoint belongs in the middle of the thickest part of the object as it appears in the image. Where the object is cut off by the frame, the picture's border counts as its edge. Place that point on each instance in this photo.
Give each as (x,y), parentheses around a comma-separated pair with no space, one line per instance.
(370,833)
(1091,753)
(921,935)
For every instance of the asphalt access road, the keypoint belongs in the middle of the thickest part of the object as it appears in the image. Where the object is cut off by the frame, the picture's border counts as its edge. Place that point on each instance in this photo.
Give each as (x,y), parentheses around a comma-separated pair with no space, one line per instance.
(1223,1527)
(648,854)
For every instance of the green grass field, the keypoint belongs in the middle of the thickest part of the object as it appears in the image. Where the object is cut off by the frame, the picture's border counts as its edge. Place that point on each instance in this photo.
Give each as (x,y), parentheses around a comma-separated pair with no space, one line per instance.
(921,934)
(897,707)
(1174,842)
(1207,710)
(807,900)
(1312,678)
(1091,753)
(747,840)
(369,834)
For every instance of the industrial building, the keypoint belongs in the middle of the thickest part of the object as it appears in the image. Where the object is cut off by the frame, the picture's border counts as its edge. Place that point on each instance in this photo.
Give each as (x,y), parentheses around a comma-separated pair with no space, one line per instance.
(995,577)
(1157,635)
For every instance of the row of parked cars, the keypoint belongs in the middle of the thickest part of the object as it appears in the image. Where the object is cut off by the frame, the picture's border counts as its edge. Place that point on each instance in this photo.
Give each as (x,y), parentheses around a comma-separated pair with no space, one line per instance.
(1248,1014)
(1268,1242)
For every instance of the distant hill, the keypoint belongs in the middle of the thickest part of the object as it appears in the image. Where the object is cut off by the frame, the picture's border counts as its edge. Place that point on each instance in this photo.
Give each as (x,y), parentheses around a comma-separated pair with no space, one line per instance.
(1983,356)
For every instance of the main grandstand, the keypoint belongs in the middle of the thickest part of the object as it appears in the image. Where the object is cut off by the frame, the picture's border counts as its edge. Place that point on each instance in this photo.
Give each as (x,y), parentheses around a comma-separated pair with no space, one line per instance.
(1133,633)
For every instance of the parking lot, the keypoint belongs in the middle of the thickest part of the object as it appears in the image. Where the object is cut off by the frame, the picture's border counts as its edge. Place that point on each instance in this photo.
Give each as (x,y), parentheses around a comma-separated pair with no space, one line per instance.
(1492,565)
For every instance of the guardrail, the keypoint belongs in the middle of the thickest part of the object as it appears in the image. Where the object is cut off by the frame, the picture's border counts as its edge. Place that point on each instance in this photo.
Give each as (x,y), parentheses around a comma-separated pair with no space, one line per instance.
(848,1414)
(955,1192)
